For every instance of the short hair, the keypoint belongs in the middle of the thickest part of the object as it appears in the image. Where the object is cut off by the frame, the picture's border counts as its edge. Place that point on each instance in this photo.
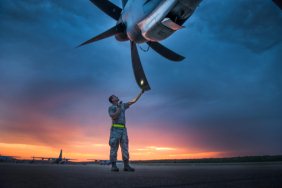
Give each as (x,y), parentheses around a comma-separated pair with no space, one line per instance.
(111,98)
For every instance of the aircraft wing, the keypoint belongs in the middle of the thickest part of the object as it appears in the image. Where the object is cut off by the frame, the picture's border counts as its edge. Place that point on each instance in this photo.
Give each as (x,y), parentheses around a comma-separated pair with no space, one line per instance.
(69,159)
(9,156)
(44,158)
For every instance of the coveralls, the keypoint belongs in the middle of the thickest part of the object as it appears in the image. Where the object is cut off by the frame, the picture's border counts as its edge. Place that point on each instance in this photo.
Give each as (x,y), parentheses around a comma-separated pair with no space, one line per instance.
(118,135)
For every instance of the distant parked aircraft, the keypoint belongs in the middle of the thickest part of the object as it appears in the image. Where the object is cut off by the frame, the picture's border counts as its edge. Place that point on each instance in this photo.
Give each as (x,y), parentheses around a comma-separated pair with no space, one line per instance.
(59,160)
(101,162)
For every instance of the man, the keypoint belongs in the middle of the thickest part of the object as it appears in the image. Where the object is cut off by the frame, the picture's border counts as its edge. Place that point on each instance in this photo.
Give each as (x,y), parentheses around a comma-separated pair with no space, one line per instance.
(119,132)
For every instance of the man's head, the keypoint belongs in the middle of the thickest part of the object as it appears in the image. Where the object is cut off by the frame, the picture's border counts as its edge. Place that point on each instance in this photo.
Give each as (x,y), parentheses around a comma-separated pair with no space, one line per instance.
(113,99)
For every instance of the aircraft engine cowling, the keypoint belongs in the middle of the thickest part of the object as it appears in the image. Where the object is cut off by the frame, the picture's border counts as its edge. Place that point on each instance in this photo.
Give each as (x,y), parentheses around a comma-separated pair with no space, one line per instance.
(183,10)
(166,19)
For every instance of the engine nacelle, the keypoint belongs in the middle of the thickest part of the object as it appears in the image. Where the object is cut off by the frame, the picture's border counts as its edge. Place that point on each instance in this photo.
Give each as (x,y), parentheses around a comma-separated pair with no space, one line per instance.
(167,18)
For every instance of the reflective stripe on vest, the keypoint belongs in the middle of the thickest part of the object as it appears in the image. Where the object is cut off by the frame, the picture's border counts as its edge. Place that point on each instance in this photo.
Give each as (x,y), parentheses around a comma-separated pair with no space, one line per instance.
(119,125)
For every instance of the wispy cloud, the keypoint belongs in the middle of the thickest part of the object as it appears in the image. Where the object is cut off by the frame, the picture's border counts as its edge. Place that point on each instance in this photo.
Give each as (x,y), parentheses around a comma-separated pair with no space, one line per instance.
(155,148)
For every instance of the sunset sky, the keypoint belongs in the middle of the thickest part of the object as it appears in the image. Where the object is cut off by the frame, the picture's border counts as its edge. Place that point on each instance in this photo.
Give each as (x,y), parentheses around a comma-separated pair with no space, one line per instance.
(223,100)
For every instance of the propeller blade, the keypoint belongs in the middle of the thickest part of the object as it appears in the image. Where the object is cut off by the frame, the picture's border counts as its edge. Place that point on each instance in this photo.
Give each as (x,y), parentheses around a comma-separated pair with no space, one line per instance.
(114,30)
(138,69)
(165,52)
(109,8)
(124,3)
(278,3)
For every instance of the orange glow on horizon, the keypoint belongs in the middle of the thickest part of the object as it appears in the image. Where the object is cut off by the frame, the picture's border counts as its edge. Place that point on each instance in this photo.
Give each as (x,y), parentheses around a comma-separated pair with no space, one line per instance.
(25,151)
(146,142)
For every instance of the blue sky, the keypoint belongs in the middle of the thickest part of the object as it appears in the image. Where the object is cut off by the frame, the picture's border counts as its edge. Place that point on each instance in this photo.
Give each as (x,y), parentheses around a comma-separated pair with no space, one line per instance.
(225,96)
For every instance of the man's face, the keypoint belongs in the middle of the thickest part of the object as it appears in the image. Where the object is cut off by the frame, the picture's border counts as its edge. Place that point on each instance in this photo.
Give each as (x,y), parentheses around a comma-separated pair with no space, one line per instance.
(115,99)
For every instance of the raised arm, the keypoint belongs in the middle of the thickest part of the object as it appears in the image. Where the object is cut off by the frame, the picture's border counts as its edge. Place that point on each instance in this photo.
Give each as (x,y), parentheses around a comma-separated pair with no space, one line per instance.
(136,98)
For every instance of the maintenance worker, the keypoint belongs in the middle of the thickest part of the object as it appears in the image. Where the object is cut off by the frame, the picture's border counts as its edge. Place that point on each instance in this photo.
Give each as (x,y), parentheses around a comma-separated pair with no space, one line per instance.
(118,134)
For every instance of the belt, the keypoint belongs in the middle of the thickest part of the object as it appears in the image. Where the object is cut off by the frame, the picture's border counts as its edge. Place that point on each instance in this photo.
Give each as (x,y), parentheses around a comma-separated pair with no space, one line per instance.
(118,125)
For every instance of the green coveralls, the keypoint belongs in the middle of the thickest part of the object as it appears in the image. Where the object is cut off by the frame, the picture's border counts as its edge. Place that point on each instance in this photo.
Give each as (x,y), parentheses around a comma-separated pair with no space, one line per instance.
(118,134)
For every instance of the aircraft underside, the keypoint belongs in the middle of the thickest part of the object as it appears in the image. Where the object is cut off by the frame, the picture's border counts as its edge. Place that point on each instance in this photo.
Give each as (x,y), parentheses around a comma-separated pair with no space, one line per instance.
(147,21)
(165,20)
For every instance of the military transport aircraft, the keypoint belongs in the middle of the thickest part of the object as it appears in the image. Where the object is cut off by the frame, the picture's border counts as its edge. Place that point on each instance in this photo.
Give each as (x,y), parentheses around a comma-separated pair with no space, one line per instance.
(145,21)
(59,160)
(101,162)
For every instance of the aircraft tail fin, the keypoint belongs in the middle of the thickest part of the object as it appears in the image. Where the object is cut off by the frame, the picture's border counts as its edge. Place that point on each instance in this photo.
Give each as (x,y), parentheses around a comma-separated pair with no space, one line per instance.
(61,154)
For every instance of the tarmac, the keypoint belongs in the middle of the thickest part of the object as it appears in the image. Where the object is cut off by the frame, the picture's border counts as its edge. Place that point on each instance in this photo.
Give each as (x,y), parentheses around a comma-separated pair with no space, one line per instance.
(219,175)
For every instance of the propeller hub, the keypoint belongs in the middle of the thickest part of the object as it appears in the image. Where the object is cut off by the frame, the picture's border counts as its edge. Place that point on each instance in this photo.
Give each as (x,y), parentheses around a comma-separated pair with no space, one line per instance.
(134,34)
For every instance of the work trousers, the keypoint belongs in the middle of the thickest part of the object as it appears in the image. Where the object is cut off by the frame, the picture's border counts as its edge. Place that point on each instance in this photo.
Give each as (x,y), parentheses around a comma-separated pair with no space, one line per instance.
(118,137)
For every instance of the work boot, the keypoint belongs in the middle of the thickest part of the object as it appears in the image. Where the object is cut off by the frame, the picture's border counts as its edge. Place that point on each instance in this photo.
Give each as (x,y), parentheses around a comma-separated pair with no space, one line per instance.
(127,167)
(114,167)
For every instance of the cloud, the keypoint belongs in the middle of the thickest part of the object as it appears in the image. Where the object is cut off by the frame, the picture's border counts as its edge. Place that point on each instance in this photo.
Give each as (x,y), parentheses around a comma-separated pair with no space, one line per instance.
(253,25)
(224,96)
